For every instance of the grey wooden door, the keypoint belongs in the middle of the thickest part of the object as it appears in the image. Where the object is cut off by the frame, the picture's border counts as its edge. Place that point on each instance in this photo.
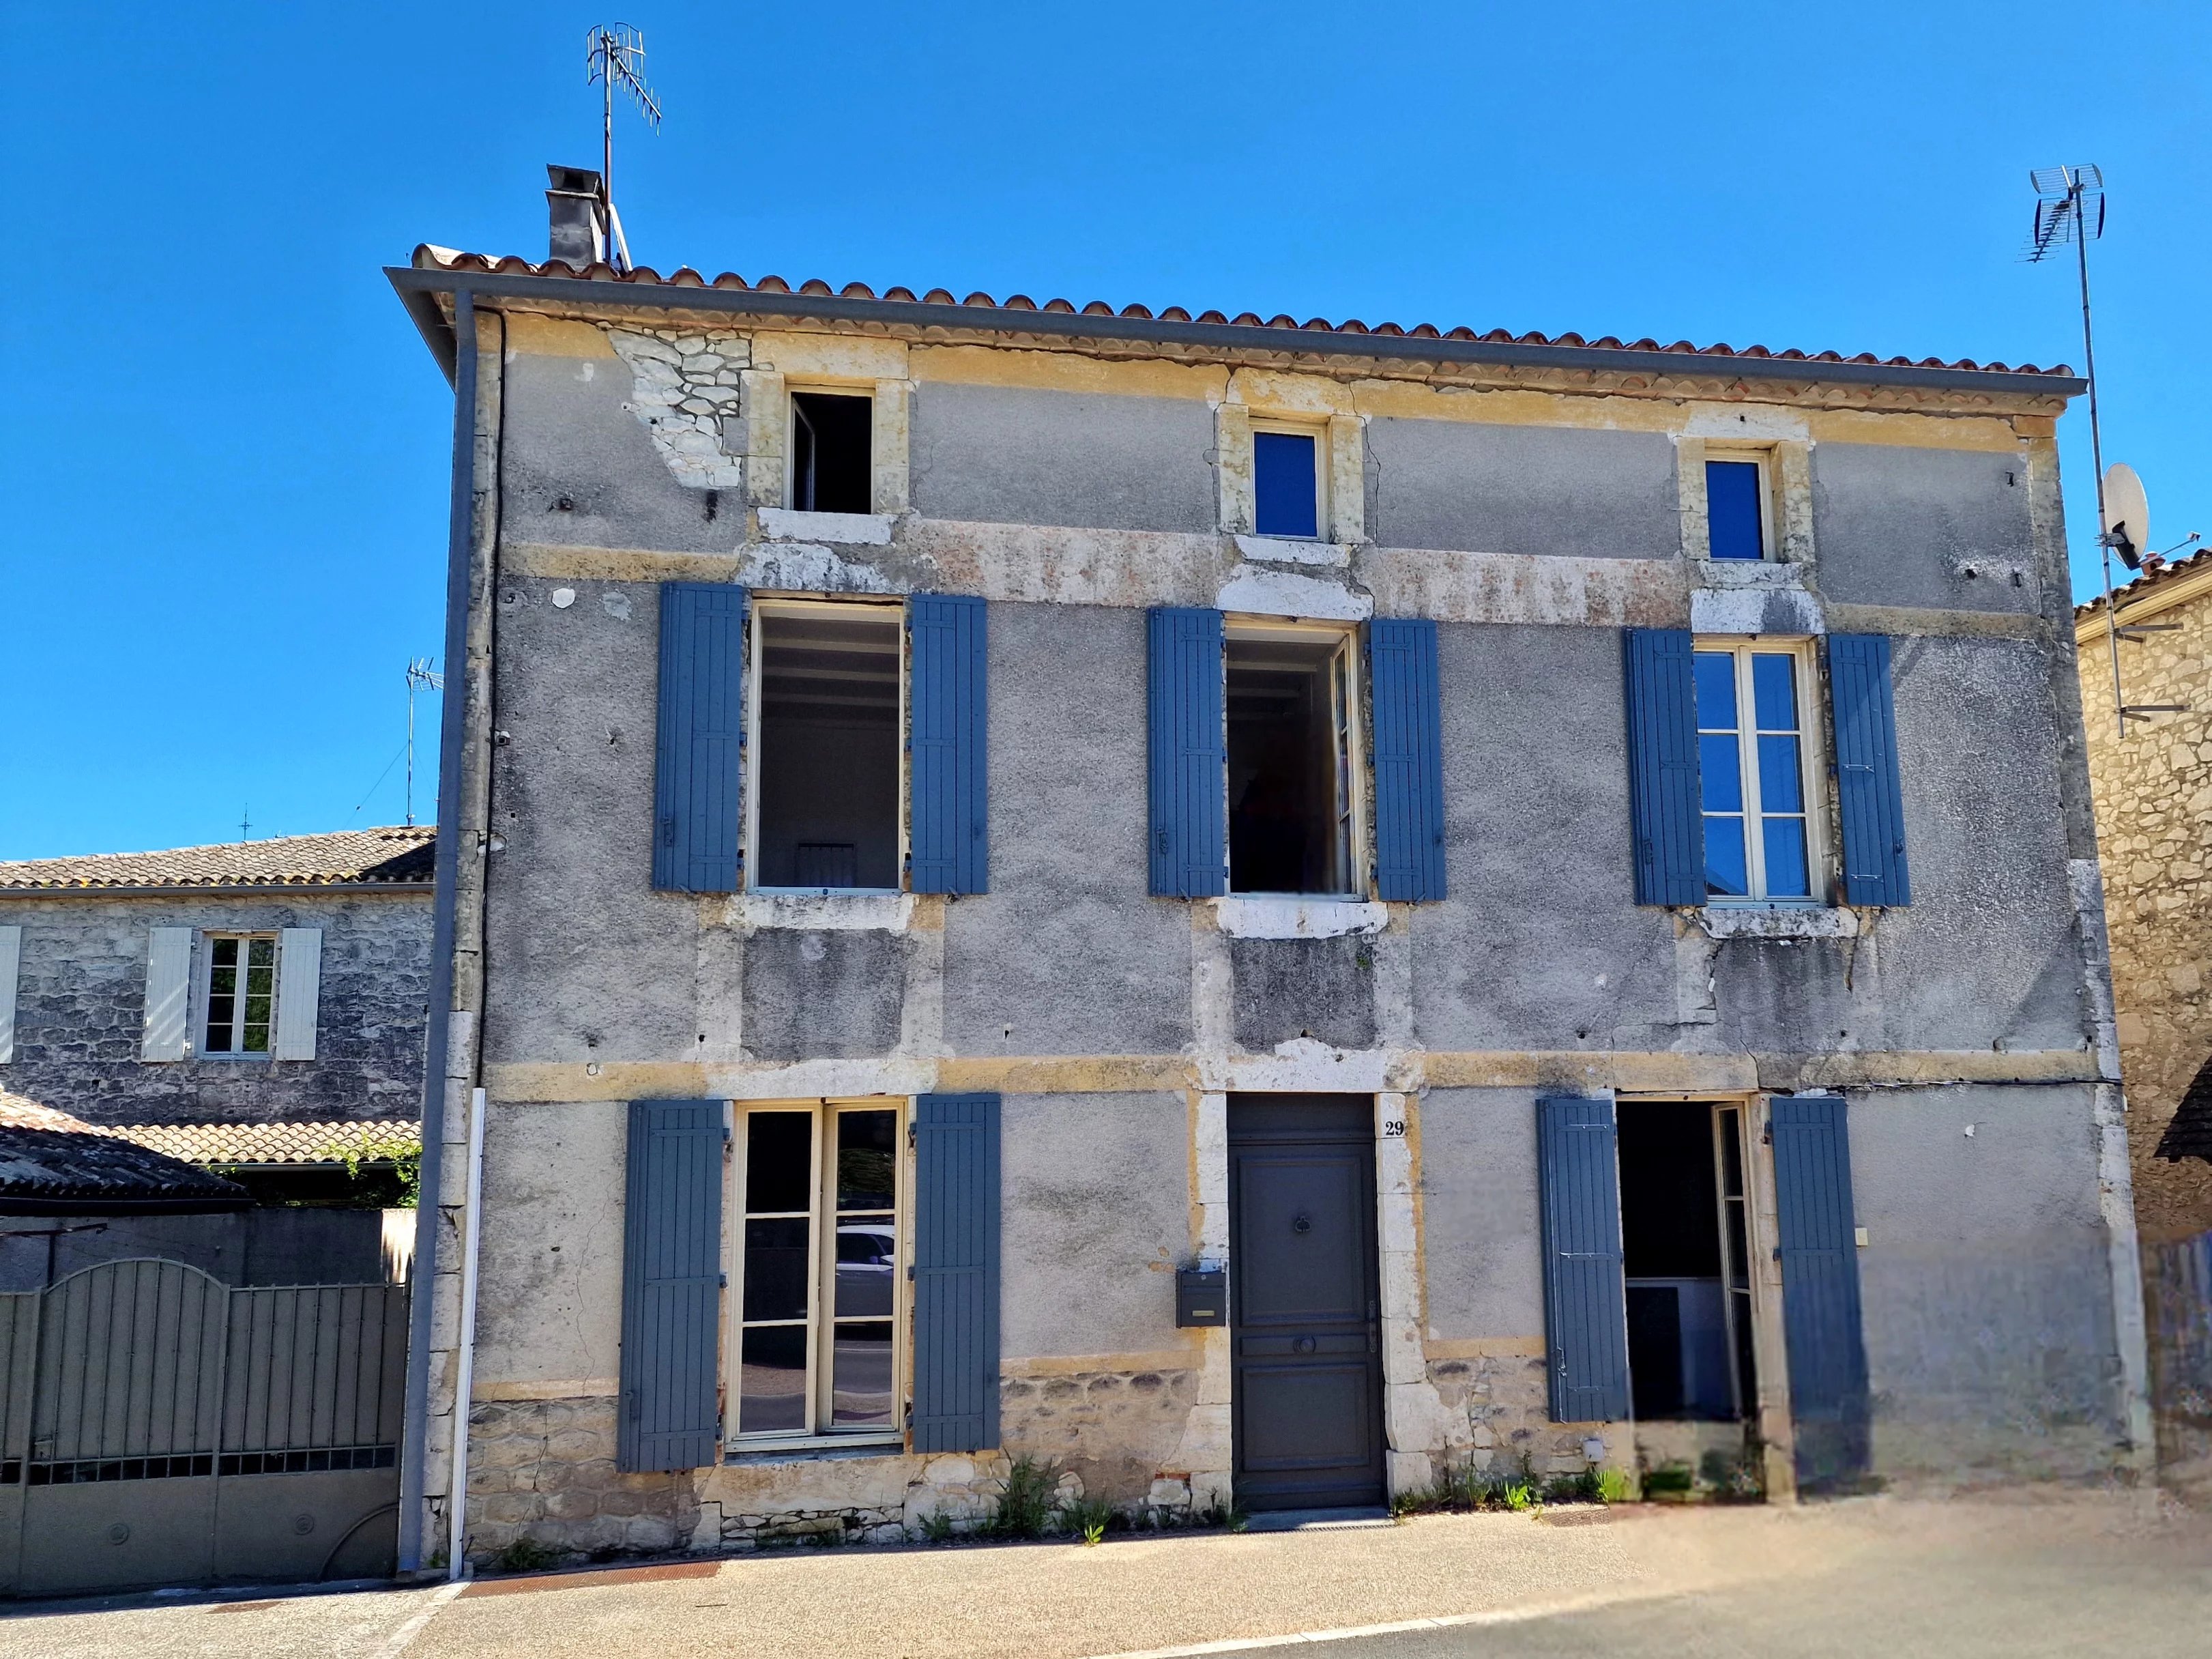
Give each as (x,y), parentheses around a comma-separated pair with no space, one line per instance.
(1304,1303)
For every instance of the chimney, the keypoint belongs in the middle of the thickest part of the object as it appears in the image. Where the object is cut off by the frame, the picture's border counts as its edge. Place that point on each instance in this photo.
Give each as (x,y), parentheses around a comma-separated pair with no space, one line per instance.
(578,218)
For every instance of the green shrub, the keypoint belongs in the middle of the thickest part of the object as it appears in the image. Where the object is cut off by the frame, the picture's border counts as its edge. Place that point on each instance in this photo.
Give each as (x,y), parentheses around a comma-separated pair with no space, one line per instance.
(1668,1478)
(936,1526)
(1614,1485)
(1085,1516)
(1026,1508)
(524,1555)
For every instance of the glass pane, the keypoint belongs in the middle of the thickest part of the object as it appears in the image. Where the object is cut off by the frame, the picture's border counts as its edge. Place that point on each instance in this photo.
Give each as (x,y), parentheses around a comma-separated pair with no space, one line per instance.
(1732,1154)
(772,1386)
(1715,676)
(1724,864)
(1781,782)
(868,1265)
(1737,1250)
(1720,772)
(1774,691)
(1785,858)
(261,953)
(224,953)
(1732,514)
(860,1376)
(1747,1372)
(775,1268)
(778,1148)
(866,1143)
(1285,497)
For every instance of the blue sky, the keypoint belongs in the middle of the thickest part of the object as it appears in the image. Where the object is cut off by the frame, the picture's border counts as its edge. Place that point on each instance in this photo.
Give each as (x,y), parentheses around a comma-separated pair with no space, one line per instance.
(224,449)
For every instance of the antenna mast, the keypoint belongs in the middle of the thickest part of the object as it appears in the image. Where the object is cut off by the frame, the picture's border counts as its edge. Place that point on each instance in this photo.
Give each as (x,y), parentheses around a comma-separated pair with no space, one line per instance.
(614,55)
(419,675)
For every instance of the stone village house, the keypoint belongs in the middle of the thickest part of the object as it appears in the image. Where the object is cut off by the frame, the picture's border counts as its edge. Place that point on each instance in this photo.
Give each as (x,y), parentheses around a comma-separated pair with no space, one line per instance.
(1558,875)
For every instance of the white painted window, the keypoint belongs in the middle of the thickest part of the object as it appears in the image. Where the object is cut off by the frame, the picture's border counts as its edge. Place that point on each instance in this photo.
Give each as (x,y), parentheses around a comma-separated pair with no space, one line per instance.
(1760,772)
(1289,480)
(828,759)
(820,1270)
(238,998)
(299,992)
(1295,768)
(167,1034)
(832,451)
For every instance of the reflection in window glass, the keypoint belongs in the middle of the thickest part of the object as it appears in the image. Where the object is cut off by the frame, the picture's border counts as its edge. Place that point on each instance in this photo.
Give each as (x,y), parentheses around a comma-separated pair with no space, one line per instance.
(1752,774)
(241,1003)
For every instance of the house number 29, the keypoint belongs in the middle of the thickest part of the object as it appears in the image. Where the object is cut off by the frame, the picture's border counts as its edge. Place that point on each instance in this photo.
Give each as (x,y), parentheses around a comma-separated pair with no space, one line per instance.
(1393,1128)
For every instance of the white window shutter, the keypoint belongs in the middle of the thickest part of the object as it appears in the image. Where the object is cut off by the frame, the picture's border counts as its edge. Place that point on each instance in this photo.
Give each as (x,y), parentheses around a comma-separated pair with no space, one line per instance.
(299,987)
(11,958)
(169,993)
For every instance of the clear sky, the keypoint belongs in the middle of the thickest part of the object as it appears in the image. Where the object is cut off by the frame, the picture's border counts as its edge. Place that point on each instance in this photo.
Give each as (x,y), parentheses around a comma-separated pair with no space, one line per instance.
(224,449)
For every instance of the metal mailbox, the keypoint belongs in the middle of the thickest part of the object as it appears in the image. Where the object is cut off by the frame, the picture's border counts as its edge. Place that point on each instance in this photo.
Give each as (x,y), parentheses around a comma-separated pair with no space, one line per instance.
(1201,1296)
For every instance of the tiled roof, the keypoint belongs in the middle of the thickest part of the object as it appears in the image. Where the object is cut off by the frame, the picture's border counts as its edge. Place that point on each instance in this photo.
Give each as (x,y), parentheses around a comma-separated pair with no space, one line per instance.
(345,858)
(52,1165)
(429,258)
(270,1143)
(2147,582)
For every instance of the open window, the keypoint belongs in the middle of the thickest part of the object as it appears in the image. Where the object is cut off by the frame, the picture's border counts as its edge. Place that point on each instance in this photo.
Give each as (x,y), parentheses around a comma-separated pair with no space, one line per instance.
(820,1277)
(1288,487)
(827,781)
(1738,519)
(830,450)
(1293,761)
(1685,1255)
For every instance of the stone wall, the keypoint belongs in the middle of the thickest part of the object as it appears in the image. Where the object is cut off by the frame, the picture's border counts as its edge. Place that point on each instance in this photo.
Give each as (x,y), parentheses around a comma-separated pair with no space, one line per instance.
(81,1002)
(2154,796)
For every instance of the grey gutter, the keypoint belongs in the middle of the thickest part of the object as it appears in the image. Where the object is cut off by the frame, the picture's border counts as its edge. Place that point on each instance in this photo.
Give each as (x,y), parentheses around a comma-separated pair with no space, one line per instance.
(416,289)
(220,889)
(460,546)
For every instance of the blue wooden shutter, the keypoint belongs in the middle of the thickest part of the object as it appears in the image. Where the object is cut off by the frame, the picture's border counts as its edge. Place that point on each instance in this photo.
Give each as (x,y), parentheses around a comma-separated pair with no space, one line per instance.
(951,786)
(956,1273)
(1409,761)
(699,756)
(1585,1297)
(1821,1322)
(1664,808)
(1867,786)
(1190,755)
(672,1286)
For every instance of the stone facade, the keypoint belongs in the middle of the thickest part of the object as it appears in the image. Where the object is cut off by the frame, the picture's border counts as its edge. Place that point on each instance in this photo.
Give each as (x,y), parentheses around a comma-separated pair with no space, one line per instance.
(81,1000)
(2154,795)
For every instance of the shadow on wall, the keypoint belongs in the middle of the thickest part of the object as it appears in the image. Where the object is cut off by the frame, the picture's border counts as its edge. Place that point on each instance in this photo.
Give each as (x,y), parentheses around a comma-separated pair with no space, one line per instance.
(2178,1309)
(242,1248)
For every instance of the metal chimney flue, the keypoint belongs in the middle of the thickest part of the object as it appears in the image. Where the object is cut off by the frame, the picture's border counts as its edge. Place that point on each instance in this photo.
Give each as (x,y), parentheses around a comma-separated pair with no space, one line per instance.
(577,215)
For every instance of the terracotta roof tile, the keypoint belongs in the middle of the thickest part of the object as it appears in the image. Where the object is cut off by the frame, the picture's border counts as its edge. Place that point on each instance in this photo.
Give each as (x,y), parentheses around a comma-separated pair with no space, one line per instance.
(52,1163)
(441,258)
(2147,581)
(345,858)
(268,1143)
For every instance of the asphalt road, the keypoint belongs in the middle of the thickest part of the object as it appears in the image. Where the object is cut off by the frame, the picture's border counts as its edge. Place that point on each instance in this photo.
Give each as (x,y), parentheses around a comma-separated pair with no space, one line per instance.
(2065,1576)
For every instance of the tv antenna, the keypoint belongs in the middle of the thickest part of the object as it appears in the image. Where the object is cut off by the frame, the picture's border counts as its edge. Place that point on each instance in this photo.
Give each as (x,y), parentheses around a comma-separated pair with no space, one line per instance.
(420,676)
(614,56)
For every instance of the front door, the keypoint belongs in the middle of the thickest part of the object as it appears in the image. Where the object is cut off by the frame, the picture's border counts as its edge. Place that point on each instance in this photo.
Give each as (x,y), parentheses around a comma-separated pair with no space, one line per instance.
(1304,1305)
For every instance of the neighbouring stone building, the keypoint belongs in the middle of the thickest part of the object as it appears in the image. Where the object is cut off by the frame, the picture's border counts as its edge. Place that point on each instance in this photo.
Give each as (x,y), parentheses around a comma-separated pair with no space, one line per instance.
(1257,910)
(2154,794)
(249,1005)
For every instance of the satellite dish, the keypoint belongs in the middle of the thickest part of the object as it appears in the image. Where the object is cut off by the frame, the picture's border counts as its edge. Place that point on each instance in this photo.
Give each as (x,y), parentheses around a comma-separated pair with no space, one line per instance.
(2127,514)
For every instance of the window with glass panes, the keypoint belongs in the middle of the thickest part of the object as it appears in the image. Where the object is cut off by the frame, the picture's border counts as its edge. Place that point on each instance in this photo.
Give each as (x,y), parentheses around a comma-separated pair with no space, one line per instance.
(1754,766)
(241,994)
(819,1279)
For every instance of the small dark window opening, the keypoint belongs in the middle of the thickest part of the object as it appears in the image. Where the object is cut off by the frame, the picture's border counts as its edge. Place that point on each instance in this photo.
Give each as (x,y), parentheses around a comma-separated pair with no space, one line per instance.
(1286,492)
(1733,518)
(1290,766)
(829,750)
(1683,1241)
(829,452)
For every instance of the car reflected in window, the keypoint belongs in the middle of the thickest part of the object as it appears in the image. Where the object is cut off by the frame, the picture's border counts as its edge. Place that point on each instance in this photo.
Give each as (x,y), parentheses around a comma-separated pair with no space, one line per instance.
(867,1261)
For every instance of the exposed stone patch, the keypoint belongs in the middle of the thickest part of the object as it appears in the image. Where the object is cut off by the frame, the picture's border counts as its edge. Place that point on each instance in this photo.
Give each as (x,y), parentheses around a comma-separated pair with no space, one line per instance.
(684,388)
(1117,1432)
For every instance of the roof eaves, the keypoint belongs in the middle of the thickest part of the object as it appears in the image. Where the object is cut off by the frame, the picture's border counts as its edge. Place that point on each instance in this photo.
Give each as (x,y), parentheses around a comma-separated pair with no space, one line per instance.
(645,290)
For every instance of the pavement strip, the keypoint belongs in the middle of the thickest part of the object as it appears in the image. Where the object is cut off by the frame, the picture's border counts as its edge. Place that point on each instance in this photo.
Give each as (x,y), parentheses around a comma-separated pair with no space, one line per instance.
(403,1638)
(1398,1627)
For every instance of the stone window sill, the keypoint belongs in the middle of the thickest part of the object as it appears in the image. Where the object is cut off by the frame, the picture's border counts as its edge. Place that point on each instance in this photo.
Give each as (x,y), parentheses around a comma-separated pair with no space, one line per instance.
(785,524)
(1291,917)
(812,1448)
(1778,921)
(1280,549)
(819,913)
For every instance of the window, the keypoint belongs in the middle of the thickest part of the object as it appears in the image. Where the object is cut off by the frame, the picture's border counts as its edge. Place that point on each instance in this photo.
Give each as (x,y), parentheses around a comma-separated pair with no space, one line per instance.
(828,706)
(1755,770)
(1286,478)
(830,452)
(819,1272)
(1292,711)
(240,1014)
(1735,508)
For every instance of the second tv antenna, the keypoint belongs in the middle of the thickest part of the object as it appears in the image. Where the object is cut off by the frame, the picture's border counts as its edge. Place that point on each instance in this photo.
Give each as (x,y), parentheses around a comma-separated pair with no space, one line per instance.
(614,56)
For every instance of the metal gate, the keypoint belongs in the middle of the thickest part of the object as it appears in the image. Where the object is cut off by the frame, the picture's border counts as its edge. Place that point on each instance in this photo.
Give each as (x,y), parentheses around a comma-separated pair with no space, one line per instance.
(158,1427)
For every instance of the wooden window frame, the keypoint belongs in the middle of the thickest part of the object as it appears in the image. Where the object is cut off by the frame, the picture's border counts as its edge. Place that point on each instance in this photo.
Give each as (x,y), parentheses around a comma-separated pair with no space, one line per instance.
(1347,743)
(1812,765)
(1316,430)
(204,991)
(764,605)
(821,1319)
